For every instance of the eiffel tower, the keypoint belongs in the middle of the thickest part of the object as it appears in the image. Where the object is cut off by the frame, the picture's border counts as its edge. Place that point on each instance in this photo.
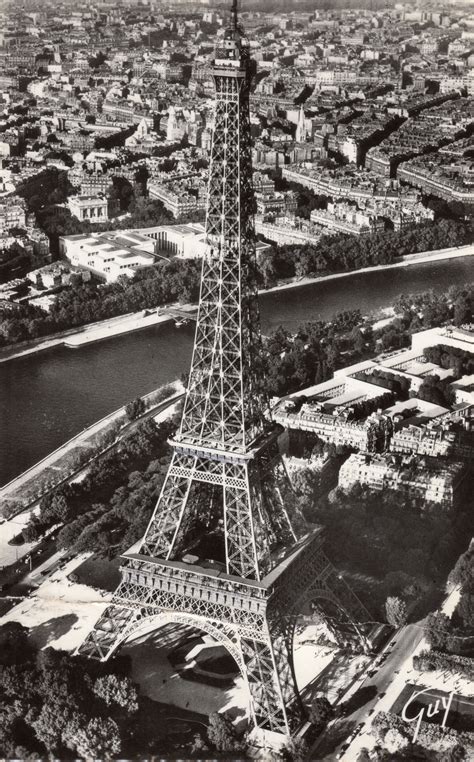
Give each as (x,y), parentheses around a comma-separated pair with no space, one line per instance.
(220,552)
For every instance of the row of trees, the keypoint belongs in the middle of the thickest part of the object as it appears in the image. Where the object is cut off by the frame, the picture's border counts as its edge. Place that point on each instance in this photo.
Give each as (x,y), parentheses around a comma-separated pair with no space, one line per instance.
(427,661)
(350,252)
(51,186)
(311,355)
(459,360)
(455,635)
(167,282)
(52,705)
(62,708)
(436,742)
(437,390)
(109,509)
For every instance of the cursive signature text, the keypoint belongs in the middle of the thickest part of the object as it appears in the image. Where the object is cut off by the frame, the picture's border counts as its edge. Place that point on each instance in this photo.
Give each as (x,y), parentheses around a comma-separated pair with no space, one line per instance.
(428,710)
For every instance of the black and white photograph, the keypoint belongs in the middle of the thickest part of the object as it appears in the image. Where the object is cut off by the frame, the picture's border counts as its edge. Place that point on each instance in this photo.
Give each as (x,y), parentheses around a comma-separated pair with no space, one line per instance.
(237,380)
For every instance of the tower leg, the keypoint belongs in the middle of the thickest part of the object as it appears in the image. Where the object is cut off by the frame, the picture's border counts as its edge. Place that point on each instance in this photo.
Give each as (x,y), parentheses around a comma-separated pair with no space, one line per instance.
(109,632)
(274,698)
(168,515)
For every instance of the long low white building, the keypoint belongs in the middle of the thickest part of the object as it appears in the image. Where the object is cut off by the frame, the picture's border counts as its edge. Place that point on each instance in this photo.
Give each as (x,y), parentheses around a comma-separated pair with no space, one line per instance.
(186,241)
(110,254)
(449,335)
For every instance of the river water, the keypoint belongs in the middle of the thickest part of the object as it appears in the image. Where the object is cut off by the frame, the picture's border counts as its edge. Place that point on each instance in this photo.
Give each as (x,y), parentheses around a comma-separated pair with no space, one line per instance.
(47,398)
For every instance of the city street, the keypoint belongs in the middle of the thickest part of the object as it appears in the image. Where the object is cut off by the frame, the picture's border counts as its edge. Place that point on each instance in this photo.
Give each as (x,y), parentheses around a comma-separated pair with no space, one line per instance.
(10,528)
(371,696)
(378,692)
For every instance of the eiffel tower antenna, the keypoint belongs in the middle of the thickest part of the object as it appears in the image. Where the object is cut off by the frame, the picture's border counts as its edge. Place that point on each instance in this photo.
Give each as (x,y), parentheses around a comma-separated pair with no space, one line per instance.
(235,14)
(221,553)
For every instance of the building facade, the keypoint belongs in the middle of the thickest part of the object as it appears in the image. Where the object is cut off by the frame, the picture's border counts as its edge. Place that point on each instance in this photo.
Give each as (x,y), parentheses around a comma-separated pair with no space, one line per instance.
(92,208)
(426,479)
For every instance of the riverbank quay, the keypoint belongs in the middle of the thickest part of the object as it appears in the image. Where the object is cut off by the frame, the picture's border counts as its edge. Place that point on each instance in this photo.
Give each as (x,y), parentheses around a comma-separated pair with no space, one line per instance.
(423,257)
(70,459)
(122,324)
(104,329)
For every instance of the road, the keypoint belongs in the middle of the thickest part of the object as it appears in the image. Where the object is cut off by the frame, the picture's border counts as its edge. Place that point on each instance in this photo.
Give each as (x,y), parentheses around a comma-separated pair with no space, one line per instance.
(377,692)
(9,554)
(79,440)
(367,697)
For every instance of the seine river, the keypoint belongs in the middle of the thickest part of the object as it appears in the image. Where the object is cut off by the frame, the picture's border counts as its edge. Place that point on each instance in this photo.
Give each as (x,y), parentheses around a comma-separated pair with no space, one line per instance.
(47,398)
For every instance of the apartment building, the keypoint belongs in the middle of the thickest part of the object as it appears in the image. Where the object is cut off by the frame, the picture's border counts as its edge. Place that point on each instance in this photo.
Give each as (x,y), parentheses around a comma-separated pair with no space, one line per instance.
(177,199)
(338,428)
(430,480)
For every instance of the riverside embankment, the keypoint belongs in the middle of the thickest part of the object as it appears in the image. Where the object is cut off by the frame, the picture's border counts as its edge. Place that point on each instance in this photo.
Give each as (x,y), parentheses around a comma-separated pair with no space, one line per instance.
(48,397)
(12,553)
(423,257)
(87,441)
(135,321)
(74,338)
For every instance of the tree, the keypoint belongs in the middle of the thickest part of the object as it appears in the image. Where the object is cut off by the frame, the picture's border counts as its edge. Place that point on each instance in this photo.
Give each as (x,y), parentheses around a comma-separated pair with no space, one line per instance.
(50,724)
(221,733)
(199,744)
(135,409)
(100,739)
(321,712)
(306,482)
(463,572)
(465,609)
(396,611)
(54,508)
(436,629)
(96,61)
(34,530)
(117,690)
(296,750)
(358,339)
(14,647)
(462,311)
(456,753)
(395,740)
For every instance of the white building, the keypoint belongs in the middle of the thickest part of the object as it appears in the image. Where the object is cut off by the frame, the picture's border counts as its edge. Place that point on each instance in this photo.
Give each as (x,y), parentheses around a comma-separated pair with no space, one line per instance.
(92,208)
(450,336)
(109,255)
(464,390)
(185,241)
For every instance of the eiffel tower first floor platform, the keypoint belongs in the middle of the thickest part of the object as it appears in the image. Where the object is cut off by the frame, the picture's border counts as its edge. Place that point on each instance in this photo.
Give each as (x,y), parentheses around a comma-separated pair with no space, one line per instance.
(255,621)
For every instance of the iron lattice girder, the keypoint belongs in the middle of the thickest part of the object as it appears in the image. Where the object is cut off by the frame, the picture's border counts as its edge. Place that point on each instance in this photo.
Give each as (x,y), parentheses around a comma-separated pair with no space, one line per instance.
(254,515)
(234,607)
(224,406)
(311,577)
(225,444)
(254,620)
